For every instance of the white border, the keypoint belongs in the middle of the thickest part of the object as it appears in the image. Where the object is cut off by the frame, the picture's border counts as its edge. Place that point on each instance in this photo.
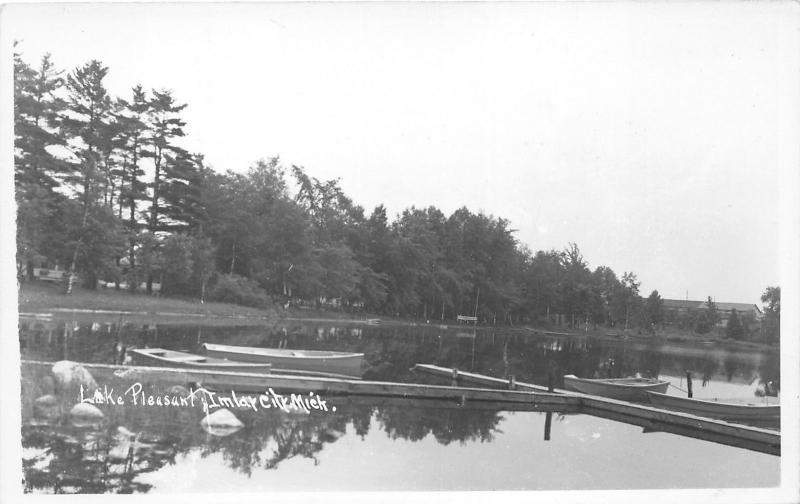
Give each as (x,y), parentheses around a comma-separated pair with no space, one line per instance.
(789,491)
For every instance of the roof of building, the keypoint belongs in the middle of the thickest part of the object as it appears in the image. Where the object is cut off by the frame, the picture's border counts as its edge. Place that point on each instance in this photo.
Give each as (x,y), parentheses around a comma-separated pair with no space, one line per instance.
(722,306)
(740,307)
(680,303)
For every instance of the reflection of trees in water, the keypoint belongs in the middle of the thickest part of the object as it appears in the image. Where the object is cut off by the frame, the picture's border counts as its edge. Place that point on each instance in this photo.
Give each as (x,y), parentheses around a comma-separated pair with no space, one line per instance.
(769,374)
(446,426)
(391,350)
(271,438)
(68,459)
(64,461)
(73,460)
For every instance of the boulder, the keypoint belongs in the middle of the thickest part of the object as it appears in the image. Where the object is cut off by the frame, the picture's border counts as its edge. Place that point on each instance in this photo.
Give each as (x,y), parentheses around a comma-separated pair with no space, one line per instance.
(46,407)
(68,374)
(86,410)
(46,400)
(85,415)
(221,423)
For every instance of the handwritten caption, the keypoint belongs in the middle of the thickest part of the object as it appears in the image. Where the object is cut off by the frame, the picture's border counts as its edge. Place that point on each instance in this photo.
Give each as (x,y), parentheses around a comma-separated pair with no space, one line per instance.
(207,399)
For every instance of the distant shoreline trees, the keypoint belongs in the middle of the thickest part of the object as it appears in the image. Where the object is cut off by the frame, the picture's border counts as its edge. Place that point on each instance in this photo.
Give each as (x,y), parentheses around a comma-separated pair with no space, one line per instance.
(772,314)
(104,188)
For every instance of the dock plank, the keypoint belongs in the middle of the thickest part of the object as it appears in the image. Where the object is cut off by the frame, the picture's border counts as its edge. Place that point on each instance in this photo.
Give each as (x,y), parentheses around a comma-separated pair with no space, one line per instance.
(720,431)
(259,382)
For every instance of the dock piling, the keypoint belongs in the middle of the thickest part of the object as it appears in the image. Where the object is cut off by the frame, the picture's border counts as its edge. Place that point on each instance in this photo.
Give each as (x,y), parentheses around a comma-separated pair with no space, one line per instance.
(548,421)
(689,382)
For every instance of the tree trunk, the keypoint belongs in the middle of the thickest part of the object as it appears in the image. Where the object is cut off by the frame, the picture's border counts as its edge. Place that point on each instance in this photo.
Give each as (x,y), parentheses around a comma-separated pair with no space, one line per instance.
(71,270)
(156,183)
(627,313)
(233,256)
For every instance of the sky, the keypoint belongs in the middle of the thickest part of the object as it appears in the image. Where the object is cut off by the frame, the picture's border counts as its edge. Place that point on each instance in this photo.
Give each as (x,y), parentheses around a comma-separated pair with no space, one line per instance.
(659,137)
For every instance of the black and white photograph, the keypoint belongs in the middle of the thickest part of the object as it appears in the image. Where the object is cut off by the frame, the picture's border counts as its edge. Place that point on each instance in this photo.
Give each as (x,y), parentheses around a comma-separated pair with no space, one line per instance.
(383,250)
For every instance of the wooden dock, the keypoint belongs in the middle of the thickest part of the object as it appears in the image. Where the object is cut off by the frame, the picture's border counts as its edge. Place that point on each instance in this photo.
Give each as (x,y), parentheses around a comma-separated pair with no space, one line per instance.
(501,394)
(644,415)
(259,382)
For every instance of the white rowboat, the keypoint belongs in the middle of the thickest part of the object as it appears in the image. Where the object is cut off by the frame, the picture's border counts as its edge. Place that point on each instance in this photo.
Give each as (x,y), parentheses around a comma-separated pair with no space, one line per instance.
(173,359)
(326,361)
(625,389)
(716,409)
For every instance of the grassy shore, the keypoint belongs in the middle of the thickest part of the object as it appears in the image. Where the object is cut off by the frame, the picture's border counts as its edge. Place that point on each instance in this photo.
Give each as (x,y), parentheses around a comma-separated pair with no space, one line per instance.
(37,297)
(111,305)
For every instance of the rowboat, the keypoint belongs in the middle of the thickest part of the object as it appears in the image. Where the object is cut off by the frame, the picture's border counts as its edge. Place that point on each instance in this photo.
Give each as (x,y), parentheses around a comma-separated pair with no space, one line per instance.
(626,389)
(327,361)
(716,409)
(173,359)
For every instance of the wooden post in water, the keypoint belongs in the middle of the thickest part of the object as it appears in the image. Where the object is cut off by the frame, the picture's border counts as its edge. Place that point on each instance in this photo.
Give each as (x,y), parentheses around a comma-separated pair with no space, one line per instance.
(455,377)
(548,420)
(512,383)
(689,382)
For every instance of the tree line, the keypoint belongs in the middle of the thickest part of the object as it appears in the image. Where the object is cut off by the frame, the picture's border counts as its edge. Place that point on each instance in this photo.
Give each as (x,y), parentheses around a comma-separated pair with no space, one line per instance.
(104,188)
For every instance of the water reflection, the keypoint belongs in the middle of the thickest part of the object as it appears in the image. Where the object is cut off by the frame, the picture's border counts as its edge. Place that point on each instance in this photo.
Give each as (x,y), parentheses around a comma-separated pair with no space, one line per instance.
(134,439)
(131,442)
(391,351)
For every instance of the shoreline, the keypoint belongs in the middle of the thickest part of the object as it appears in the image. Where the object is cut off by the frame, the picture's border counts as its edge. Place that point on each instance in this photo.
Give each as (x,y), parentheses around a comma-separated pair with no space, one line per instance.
(46,302)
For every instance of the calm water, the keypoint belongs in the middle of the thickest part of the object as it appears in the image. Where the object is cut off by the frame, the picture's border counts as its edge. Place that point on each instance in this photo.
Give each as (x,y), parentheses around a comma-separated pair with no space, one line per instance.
(389,444)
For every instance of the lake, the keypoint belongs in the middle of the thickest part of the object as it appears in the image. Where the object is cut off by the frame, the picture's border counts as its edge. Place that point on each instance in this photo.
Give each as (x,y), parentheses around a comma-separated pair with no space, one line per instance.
(375,444)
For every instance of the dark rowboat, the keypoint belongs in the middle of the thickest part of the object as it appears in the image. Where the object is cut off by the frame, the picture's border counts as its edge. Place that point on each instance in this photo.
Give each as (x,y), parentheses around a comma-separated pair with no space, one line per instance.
(174,359)
(716,409)
(325,361)
(626,389)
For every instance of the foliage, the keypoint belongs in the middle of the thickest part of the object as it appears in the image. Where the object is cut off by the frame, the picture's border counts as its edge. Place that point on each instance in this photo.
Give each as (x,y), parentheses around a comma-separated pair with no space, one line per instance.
(772,314)
(238,290)
(187,265)
(772,298)
(707,317)
(735,329)
(654,310)
(103,186)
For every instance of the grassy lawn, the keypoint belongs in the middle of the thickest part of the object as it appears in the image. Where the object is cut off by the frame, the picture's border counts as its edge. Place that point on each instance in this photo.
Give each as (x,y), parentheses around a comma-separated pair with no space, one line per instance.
(40,297)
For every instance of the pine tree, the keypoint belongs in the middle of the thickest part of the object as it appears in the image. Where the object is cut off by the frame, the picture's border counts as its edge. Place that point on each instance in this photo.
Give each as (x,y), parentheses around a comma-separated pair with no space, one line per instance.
(36,111)
(88,123)
(134,143)
(182,188)
(37,170)
(165,126)
(132,115)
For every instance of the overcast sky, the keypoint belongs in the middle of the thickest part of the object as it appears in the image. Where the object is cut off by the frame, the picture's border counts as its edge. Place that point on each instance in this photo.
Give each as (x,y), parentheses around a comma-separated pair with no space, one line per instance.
(652,135)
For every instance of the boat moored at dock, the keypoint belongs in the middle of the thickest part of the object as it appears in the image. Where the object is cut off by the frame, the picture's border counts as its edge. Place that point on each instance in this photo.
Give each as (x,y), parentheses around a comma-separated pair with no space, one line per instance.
(174,359)
(326,361)
(626,389)
(717,409)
